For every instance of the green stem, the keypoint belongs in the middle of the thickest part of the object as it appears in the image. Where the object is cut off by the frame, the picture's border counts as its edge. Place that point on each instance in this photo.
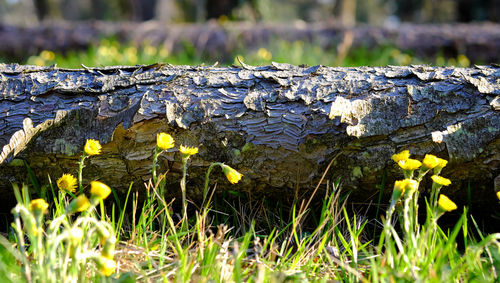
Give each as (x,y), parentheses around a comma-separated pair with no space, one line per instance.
(387,234)
(155,161)
(207,179)
(21,244)
(81,165)
(183,188)
(434,194)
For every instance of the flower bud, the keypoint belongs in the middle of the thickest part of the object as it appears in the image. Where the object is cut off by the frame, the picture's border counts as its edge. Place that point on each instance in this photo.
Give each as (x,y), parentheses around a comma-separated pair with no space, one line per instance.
(105,265)
(232,175)
(446,204)
(38,206)
(79,204)
(99,190)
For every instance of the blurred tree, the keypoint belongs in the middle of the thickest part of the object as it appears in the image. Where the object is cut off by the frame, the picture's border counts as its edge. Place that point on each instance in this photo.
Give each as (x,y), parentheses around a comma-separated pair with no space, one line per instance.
(479,10)
(348,12)
(439,11)
(374,12)
(142,10)
(42,8)
(217,8)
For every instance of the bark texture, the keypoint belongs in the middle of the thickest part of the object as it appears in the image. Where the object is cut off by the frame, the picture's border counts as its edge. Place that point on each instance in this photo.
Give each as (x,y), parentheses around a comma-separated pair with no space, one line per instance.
(479,42)
(279,125)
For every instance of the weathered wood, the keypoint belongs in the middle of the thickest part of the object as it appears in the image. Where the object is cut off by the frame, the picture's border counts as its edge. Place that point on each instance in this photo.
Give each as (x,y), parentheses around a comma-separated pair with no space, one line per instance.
(279,125)
(479,42)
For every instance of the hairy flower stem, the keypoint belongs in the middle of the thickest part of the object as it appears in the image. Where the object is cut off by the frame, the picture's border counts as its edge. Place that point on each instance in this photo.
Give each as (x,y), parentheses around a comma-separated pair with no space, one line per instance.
(21,245)
(155,161)
(183,188)
(207,179)
(81,165)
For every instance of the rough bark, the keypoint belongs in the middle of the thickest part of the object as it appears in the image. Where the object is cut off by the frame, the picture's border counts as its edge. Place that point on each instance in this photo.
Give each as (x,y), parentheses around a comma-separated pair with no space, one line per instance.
(279,125)
(479,42)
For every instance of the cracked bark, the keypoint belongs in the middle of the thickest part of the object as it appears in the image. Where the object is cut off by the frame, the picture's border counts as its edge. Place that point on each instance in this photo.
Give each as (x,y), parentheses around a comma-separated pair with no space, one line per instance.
(279,125)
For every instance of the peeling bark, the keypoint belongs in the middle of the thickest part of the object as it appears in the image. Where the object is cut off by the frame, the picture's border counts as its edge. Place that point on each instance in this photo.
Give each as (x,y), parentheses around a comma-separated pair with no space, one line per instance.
(279,125)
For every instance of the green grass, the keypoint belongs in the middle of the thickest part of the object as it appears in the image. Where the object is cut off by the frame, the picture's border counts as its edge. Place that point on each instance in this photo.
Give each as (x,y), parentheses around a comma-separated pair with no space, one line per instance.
(237,240)
(111,52)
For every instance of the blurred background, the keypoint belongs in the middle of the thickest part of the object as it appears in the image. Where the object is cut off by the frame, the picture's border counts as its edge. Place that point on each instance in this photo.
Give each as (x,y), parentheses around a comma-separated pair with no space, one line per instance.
(328,32)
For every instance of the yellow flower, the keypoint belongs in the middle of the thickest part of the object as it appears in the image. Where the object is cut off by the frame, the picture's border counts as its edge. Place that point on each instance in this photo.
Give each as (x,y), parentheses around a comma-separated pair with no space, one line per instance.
(430,161)
(442,162)
(399,189)
(187,151)
(411,185)
(407,184)
(106,266)
(92,147)
(446,204)
(232,175)
(38,205)
(400,186)
(403,155)
(79,204)
(67,183)
(440,180)
(164,141)
(99,190)
(498,195)
(409,164)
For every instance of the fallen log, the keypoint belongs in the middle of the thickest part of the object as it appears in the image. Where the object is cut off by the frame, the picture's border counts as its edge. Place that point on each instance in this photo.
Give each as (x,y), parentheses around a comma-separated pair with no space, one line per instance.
(279,125)
(479,42)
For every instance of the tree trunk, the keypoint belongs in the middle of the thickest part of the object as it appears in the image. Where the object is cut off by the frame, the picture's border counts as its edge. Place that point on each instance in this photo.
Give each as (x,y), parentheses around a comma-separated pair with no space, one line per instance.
(279,125)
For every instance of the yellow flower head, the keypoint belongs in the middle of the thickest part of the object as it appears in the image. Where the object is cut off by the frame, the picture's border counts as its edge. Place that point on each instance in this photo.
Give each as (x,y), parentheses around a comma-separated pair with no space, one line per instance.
(79,204)
(92,147)
(400,186)
(106,266)
(430,161)
(403,155)
(446,204)
(164,141)
(99,190)
(399,189)
(232,175)
(442,162)
(498,195)
(67,183)
(38,205)
(440,180)
(409,164)
(406,184)
(187,151)
(411,185)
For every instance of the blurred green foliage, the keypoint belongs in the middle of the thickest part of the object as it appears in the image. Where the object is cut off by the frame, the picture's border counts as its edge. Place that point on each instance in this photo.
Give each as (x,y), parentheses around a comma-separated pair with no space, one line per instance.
(111,52)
